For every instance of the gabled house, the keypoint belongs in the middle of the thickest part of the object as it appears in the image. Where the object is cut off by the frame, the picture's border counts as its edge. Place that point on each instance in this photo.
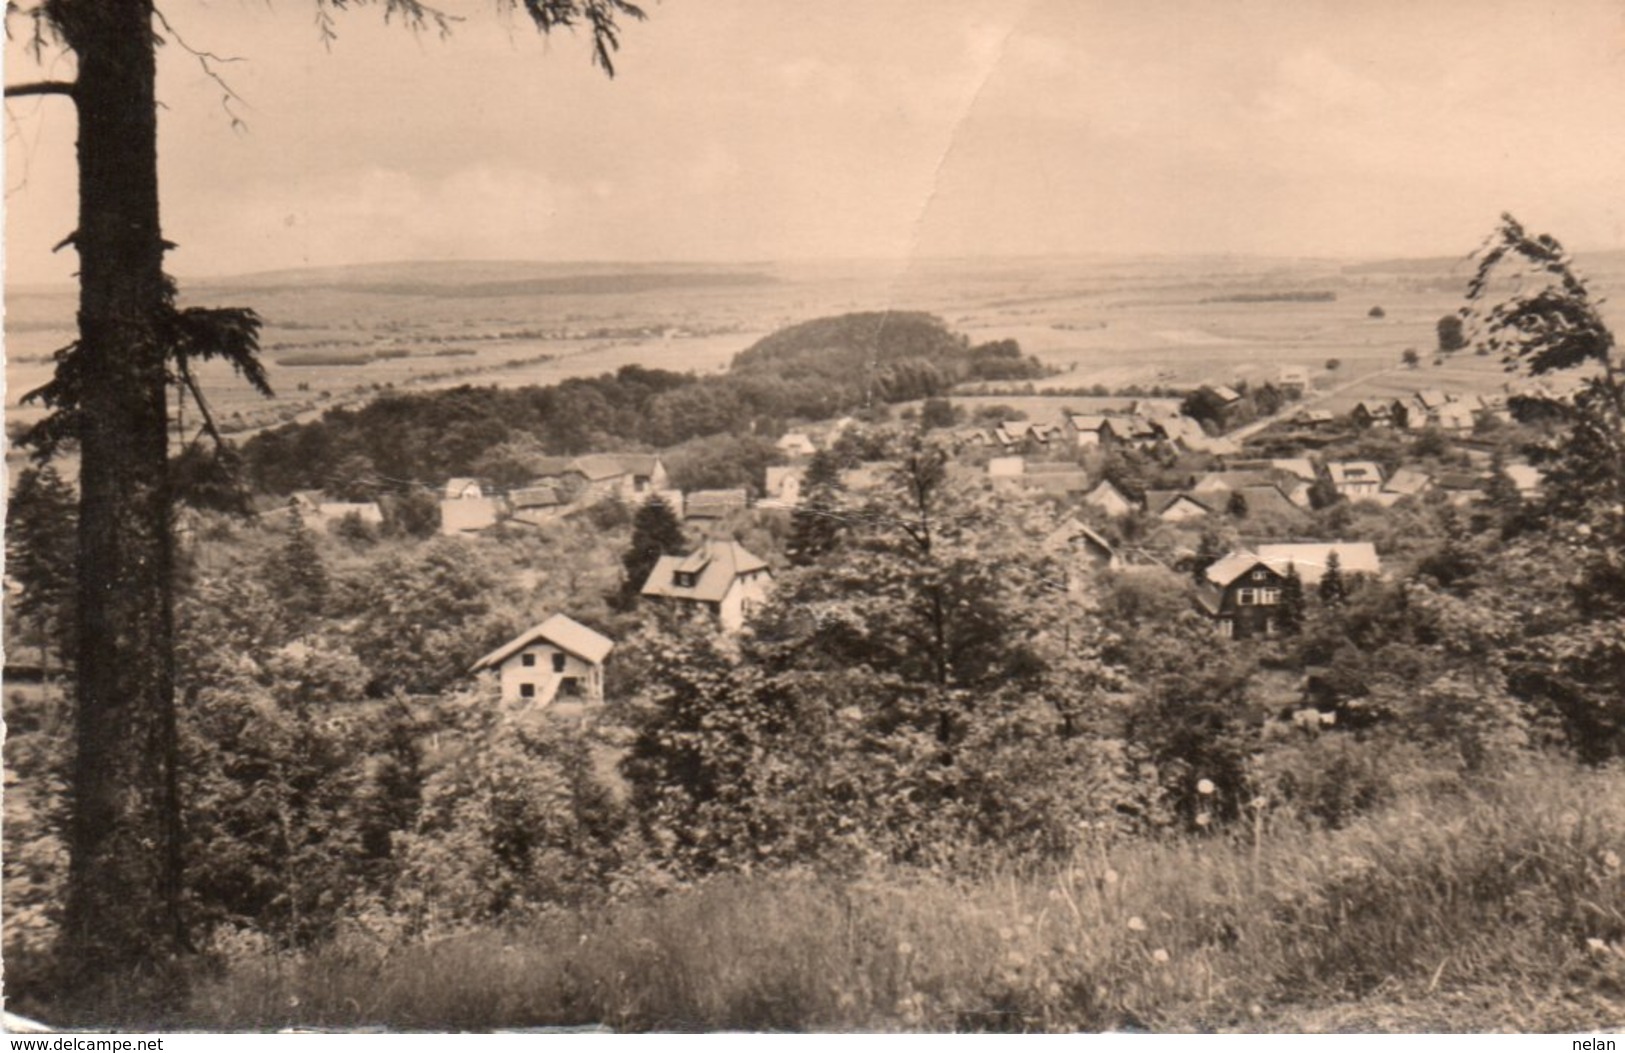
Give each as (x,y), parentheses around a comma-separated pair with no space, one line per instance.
(1405,482)
(783,486)
(1012,434)
(460,488)
(558,659)
(1109,499)
(1086,429)
(1456,418)
(1314,419)
(1243,594)
(1174,506)
(720,577)
(630,476)
(1355,479)
(1077,540)
(1372,413)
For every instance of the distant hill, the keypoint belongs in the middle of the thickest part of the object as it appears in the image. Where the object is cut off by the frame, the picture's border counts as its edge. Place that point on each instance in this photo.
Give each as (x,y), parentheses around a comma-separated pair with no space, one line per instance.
(475,279)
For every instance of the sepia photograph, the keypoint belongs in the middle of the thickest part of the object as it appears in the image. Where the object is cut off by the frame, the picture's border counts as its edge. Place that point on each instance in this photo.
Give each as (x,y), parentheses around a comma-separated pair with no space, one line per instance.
(751,516)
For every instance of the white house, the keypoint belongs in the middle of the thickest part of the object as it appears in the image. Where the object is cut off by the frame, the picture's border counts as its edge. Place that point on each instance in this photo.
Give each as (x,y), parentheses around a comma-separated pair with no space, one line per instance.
(783,486)
(720,577)
(1109,499)
(558,659)
(1355,479)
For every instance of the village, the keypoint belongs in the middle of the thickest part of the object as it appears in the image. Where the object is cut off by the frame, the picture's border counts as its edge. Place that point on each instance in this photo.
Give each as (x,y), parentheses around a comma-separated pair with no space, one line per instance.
(1107,525)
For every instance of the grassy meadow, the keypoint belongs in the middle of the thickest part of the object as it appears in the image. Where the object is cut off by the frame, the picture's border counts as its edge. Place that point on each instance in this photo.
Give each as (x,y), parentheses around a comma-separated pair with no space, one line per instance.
(1488,906)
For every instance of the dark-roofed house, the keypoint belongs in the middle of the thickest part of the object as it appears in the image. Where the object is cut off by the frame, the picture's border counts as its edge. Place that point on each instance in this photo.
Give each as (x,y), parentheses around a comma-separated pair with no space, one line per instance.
(721,577)
(1242,592)
(560,658)
(1373,414)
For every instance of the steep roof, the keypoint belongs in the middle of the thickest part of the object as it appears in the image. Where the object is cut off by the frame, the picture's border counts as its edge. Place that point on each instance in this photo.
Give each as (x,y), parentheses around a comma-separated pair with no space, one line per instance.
(1071,531)
(1354,557)
(562,632)
(456,485)
(715,565)
(1227,569)
(1086,421)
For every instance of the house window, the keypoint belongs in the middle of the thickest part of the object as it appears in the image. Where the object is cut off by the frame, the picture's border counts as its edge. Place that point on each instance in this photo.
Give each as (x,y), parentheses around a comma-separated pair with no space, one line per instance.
(684,580)
(1261,574)
(527,690)
(1246,597)
(527,660)
(558,661)
(1266,597)
(1227,627)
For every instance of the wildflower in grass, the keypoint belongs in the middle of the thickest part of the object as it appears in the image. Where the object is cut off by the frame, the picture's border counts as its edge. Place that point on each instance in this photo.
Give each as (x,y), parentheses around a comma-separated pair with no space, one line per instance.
(1610,860)
(1160,956)
(1136,924)
(905,949)
(1202,820)
(1205,787)
(1007,934)
(1110,876)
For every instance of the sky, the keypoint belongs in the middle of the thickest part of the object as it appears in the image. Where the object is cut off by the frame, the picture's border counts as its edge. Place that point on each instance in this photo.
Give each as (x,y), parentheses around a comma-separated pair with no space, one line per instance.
(751,130)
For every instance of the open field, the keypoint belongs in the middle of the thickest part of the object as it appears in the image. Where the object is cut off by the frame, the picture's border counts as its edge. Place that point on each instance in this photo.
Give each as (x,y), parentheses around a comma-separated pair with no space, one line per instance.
(342,335)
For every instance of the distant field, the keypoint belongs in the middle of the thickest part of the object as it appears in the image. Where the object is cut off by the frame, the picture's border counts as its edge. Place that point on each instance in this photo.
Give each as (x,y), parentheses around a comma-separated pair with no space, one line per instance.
(1117,322)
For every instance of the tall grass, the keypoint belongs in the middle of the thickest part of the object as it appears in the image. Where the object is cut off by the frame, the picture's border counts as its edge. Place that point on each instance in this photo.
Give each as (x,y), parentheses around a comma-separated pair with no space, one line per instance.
(1501,906)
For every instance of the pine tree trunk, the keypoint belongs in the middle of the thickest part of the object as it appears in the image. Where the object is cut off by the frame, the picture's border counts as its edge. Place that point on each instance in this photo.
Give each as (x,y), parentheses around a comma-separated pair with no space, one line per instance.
(124,876)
